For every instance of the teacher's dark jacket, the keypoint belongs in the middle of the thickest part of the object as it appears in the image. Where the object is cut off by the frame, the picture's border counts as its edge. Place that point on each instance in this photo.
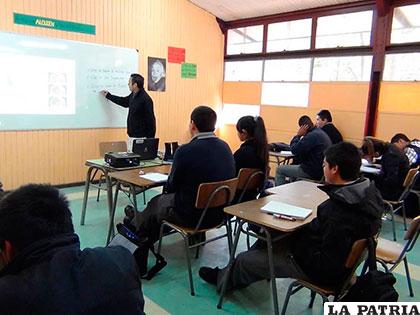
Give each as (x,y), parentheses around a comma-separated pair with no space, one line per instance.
(141,121)
(54,276)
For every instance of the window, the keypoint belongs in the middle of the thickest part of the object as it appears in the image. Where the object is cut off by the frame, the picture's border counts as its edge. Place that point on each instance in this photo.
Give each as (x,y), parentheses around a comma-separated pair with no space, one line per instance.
(232,112)
(344,30)
(245,40)
(406,24)
(243,70)
(292,35)
(355,68)
(402,67)
(286,82)
(287,70)
(285,94)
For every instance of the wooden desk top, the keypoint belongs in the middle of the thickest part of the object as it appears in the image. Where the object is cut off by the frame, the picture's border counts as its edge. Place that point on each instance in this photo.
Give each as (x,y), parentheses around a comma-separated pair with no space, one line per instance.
(133,177)
(301,194)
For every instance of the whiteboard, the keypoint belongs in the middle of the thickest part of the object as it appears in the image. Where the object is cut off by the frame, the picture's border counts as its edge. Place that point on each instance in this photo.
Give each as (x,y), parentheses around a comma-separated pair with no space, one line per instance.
(48,83)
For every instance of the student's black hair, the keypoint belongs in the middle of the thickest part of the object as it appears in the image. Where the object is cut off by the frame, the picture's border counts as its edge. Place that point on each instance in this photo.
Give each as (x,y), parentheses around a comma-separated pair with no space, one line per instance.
(204,118)
(325,114)
(372,145)
(255,128)
(305,120)
(138,79)
(398,137)
(34,212)
(346,156)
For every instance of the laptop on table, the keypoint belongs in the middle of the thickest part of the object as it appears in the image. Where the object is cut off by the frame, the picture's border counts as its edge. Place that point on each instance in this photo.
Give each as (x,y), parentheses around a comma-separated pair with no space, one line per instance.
(146,148)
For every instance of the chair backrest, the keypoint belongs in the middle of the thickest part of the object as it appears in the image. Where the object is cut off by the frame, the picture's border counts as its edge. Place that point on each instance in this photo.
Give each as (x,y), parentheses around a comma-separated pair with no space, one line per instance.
(413,229)
(249,179)
(112,146)
(357,255)
(216,194)
(411,177)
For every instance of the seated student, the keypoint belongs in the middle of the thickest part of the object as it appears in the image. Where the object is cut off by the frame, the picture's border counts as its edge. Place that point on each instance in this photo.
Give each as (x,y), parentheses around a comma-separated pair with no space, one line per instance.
(410,148)
(324,121)
(318,251)
(204,159)
(253,152)
(394,166)
(308,146)
(43,270)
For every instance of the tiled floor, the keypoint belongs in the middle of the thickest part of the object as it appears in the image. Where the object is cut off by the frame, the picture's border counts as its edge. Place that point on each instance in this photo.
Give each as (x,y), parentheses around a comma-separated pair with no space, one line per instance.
(168,292)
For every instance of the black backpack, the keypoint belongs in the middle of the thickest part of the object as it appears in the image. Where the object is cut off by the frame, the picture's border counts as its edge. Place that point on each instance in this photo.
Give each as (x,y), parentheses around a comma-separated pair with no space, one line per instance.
(374,285)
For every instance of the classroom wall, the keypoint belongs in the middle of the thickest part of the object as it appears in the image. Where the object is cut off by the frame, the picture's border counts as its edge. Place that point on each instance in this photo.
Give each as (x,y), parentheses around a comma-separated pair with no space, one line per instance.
(399,110)
(346,100)
(58,156)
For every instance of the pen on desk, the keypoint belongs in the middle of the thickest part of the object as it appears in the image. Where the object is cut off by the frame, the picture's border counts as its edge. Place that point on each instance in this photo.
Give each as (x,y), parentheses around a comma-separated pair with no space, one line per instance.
(284,217)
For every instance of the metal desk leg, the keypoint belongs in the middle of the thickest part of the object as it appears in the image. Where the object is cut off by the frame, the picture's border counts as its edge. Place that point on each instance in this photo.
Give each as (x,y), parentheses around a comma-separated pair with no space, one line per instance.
(226,276)
(86,194)
(108,191)
(133,193)
(271,266)
(112,216)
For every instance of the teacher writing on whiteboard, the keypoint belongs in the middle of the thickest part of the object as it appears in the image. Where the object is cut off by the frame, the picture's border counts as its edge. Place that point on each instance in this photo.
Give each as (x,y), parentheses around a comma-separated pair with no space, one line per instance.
(141,122)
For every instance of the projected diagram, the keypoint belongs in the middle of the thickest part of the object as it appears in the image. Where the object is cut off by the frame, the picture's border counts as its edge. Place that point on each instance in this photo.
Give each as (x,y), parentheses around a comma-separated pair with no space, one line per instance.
(34,85)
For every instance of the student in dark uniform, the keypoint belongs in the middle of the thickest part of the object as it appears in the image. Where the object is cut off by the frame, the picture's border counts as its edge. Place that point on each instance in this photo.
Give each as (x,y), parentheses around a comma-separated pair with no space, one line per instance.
(253,152)
(141,121)
(394,163)
(324,121)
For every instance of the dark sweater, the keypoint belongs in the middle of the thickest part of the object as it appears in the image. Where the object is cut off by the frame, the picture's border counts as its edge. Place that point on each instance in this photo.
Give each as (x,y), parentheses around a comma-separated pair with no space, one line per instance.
(246,157)
(205,159)
(141,122)
(395,167)
(54,276)
(332,132)
(351,213)
(309,150)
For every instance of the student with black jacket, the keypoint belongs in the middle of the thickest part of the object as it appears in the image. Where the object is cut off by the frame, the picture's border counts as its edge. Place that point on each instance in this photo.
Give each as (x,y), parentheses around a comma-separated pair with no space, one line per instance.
(324,121)
(44,271)
(394,164)
(253,152)
(308,146)
(141,121)
(318,251)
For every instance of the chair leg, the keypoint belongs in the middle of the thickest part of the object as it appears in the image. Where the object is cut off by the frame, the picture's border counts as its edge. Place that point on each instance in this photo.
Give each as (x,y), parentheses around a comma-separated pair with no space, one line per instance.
(404,217)
(229,236)
(144,197)
(187,252)
(248,243)
(160,238)
(407,273)
(197,251)
(393,225)
(311,303)
(288,295)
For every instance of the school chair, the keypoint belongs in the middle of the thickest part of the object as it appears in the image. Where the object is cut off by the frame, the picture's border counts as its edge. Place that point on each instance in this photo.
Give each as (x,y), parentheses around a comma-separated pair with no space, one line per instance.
(356,256)
(249,180)
(394,206)
(209,196)
(392,253)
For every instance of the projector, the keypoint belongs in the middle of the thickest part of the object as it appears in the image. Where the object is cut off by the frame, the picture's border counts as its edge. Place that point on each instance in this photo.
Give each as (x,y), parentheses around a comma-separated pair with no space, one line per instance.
(122,159)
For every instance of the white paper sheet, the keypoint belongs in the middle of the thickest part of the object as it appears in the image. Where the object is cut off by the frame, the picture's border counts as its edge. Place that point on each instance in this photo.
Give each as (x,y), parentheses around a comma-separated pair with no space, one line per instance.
(276,207)
(155,177)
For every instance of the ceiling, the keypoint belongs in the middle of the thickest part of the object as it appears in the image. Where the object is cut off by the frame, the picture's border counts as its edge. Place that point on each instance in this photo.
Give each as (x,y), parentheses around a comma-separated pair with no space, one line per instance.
(230,10)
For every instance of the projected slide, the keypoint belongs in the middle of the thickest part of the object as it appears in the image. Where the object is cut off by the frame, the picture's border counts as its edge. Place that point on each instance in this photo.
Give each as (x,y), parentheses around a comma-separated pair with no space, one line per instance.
(34,85)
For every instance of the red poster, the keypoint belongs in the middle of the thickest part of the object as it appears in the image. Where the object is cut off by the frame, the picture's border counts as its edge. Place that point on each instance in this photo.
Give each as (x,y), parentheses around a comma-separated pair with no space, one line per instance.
(176,55)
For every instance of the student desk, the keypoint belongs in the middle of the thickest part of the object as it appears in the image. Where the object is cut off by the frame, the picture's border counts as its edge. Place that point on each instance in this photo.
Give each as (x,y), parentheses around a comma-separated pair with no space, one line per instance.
(105,168)
(301,194)
(282,157)
(132,179)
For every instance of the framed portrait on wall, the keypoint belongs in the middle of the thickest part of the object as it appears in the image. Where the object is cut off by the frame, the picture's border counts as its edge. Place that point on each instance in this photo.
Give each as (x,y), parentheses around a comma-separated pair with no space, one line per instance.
(156,80)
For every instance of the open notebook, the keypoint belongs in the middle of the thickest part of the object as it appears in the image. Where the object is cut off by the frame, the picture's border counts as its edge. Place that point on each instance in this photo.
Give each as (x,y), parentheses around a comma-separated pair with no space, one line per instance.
(280,208)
